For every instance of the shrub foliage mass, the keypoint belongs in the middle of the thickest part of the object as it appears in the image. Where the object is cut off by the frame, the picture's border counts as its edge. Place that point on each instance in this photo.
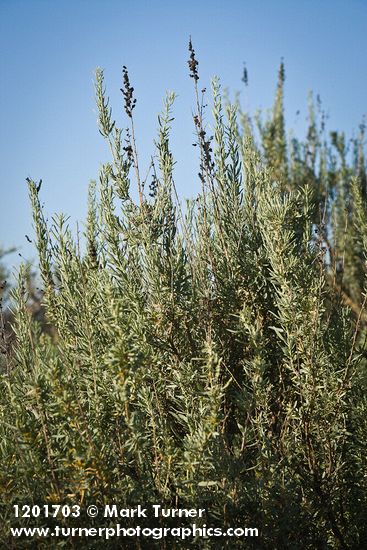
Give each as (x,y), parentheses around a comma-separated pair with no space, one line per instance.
(208,354)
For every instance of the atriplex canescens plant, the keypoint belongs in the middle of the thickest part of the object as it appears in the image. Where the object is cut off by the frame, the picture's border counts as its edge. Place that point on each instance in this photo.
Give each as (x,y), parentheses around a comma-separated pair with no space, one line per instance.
(207,356)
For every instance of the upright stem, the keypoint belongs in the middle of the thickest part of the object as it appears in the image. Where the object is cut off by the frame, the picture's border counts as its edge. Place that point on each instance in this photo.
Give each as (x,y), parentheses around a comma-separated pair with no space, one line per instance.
(136,164)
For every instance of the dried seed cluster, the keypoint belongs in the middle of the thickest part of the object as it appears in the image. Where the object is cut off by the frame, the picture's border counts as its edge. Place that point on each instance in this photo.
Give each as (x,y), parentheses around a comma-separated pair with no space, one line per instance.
(193,63)
(127,91)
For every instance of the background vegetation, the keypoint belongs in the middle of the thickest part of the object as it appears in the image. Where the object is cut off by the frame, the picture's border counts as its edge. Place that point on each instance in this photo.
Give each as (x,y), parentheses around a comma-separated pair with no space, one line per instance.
(210,354)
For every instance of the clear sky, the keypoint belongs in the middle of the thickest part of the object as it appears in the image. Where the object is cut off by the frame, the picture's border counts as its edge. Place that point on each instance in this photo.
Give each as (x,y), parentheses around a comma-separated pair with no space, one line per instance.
(50,49)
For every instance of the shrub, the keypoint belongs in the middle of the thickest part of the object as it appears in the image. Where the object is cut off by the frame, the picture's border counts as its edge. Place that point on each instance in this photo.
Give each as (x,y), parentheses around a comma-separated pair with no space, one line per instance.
(205,356)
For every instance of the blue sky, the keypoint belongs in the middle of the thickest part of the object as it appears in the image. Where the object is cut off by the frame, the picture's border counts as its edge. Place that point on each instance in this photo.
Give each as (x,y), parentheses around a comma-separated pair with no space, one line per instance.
(50,49)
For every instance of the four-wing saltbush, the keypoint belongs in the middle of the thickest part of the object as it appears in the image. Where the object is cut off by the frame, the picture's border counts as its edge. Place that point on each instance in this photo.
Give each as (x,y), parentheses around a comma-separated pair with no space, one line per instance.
(208,355)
